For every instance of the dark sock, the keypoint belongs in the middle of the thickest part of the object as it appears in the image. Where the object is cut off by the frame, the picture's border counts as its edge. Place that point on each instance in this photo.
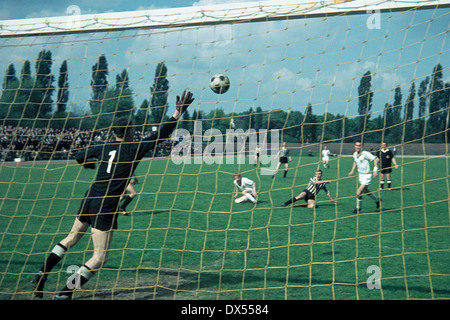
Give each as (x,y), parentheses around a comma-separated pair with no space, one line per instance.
(126,202)
(285,173)
(54,257)
(290,201)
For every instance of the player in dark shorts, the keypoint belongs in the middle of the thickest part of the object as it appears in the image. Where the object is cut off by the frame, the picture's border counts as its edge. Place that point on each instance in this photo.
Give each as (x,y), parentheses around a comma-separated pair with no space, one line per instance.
(285,157)
(309,194)
(99,209)
(387,158)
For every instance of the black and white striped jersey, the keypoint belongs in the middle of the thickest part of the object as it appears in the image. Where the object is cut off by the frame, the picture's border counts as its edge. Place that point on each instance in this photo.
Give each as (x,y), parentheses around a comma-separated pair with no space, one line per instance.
(314,187)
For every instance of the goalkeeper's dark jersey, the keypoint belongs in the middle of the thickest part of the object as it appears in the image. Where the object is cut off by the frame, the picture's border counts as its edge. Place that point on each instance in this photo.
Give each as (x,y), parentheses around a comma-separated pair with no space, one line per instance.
(118,160)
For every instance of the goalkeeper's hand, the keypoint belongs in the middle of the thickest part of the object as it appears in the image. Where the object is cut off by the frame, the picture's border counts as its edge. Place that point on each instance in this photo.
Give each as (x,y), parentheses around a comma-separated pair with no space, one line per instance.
(183,103)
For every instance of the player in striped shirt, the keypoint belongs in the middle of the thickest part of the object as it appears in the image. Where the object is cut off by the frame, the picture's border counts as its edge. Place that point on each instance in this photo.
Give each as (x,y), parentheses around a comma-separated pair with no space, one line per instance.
(309,194)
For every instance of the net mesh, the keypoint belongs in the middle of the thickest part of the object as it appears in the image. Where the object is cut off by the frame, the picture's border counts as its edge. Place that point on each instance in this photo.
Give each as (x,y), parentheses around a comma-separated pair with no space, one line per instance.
(311,74)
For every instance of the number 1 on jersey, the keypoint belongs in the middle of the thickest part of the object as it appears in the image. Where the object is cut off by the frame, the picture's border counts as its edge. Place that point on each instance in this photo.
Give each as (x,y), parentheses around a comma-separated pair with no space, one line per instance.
(112,155)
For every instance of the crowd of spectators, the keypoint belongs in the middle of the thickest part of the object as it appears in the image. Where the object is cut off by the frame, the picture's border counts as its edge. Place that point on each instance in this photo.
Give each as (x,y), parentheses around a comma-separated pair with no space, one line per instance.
(32,144)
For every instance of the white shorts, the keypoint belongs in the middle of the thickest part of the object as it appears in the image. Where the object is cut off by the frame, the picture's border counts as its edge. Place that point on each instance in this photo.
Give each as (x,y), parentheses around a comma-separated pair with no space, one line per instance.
(365,178)
(325,158)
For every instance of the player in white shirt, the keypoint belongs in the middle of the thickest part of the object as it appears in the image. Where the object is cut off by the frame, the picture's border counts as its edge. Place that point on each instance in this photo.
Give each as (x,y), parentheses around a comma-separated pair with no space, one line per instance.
(326,153)
(362,161)
(247,188)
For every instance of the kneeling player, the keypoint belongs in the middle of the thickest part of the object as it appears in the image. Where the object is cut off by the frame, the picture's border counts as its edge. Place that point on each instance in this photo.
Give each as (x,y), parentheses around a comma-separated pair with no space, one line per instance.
(247,187)
(309,194)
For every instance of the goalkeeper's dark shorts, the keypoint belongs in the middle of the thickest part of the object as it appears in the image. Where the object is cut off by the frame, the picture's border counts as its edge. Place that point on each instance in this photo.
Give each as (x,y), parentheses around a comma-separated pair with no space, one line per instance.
(101,213)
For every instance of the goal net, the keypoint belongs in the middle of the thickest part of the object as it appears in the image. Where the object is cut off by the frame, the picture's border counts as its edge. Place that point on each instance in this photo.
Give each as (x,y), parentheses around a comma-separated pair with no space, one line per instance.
(316,75)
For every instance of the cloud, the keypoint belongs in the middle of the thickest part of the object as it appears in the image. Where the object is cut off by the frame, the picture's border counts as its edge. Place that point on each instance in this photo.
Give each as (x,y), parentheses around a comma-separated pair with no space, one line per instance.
(390,80)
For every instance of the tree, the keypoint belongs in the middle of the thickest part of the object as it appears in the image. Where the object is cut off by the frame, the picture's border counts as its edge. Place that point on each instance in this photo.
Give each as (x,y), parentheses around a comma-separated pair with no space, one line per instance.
(10,79)
(9,92)
(41,95)
(116,104)
(309,128)
(99,84)
(396,131)
(259,119)
(159,93)
(423,99)
(437,101)
(408,116)
(25,74)
(141,117)
(122,81)
(63,89)
(365,95)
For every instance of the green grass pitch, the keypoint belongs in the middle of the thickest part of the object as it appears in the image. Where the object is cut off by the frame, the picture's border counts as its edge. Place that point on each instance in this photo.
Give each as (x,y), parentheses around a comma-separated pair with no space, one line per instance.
(187,239)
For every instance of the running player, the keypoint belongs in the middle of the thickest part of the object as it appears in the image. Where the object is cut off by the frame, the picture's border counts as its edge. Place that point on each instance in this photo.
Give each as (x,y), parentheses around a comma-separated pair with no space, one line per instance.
(326,153)
(284,159)
(362,161)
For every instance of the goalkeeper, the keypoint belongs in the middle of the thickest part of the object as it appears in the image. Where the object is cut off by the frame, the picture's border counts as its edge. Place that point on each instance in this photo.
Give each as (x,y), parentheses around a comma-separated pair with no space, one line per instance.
(99,209)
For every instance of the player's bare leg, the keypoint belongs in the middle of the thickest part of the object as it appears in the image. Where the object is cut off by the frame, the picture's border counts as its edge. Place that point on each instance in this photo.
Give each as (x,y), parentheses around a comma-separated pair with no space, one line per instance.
(276,170)
(388,176)
(311,204)
(247,195)
(364,190)
(101,241)
(76,233)
(381,181)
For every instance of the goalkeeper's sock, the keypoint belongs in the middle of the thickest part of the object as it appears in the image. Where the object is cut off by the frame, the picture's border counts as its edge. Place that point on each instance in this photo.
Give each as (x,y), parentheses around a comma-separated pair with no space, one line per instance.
(285,173)
(126,202)
(54,257)
(83,275)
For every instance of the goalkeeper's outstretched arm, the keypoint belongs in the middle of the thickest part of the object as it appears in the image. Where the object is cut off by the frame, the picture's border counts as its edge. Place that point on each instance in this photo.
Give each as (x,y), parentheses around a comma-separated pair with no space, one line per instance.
(181,105)
(88,157)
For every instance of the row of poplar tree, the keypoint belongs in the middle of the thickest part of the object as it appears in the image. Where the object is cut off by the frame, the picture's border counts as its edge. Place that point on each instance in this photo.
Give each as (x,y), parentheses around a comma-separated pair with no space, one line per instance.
(30,101)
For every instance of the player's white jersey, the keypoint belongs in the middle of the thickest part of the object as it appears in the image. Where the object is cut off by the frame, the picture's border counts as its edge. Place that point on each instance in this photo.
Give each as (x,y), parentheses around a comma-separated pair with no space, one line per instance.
(326,154)
(363,161)
(245,184)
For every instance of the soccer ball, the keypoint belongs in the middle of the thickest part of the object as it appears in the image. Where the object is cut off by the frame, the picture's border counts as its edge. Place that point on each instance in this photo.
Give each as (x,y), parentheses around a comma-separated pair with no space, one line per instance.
(220,83)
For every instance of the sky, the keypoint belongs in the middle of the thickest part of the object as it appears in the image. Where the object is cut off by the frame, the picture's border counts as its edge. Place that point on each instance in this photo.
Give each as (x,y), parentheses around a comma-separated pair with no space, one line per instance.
(282,64)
